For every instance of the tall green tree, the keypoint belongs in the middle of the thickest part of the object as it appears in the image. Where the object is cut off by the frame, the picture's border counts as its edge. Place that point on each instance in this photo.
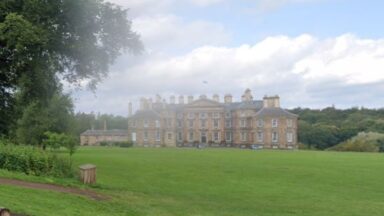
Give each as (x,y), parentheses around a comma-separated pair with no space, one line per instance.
(44,42)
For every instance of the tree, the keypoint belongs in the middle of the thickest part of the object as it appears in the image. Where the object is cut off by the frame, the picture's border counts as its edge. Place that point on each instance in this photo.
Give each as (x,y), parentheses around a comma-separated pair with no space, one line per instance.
(44,42)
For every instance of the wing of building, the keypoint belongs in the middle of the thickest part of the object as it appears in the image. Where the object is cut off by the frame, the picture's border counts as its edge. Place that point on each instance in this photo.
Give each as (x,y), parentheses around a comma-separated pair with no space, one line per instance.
(249,123)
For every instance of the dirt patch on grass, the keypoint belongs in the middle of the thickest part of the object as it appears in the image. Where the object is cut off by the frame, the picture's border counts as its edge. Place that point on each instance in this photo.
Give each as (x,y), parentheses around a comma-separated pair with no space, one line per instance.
(51,187)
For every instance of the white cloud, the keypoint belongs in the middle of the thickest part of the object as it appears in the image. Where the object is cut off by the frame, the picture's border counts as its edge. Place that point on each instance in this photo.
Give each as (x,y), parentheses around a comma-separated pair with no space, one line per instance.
(304,70)
(170,32)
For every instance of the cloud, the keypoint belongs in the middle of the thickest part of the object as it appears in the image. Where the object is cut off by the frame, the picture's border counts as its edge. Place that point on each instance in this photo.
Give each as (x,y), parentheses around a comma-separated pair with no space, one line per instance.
(169,33)
(303,70)
(265,6)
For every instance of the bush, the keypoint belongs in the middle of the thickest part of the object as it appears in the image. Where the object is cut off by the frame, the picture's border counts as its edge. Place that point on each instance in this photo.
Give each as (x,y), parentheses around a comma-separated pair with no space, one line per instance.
(104,143)
(32,161)
(363,142)
(126,144)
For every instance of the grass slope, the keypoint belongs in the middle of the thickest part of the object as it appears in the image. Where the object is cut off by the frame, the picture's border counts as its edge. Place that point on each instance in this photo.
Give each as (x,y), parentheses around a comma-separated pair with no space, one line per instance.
(217,182)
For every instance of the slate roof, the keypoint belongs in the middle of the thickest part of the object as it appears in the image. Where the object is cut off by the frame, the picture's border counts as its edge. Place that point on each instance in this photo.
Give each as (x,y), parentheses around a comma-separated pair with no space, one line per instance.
(275,112)
(113,132)
(150,114)
(255,104)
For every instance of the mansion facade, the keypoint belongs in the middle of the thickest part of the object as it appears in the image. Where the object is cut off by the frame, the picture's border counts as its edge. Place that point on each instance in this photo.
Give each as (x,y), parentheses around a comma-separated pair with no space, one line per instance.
(195,122)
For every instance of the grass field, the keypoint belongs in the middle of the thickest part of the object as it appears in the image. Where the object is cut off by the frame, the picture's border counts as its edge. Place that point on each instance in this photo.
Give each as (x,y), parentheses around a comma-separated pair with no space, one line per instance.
(215,182)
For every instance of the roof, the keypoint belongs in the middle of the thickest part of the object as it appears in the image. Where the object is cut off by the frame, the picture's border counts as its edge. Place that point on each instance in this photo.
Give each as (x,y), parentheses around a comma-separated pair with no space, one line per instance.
(114,132)
(255,104)
(275,112)
(151,114)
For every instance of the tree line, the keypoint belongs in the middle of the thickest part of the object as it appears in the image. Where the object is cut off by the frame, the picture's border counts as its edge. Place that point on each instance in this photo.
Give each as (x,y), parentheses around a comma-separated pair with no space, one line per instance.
(325,128)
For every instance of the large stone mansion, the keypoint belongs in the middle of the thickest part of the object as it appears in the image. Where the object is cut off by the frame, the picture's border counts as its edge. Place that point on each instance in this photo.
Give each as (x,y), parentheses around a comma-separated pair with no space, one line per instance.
(210,122)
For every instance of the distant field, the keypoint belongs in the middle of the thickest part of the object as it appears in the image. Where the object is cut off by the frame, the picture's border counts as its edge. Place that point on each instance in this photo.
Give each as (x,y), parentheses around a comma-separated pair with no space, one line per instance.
(169,181)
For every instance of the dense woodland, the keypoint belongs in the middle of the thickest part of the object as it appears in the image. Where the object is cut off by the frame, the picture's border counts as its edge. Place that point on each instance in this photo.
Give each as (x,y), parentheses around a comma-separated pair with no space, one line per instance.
(322,129)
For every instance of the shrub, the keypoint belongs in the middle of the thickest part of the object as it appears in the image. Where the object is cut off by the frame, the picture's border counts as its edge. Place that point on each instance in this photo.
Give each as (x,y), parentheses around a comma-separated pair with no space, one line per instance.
(104,143)
(126,144)
(33,161)
(363,142)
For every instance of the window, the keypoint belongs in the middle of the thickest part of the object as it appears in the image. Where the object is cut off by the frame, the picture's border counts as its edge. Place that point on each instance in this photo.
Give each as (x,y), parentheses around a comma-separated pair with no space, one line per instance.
(145,136)
(228,115)
(275,136)
(203,115)
(157,135)
(134,123)
(179,115)
(202,123)
(274,122)
(157,123)
(216,115)
(191,115)
(179,123)
(242,123)
(169,136)
(216,123)
(190,137)
(228,136)
(242,113)
(289,122)
(243,136)
(228,123)
(216,136)
(145,123)
(180,136)
(260,136)
(169,123)
(289,137)
(260,122)
(190,123)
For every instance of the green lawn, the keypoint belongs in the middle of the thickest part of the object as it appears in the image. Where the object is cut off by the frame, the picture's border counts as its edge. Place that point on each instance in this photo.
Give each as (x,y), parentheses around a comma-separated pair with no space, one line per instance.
(177,181)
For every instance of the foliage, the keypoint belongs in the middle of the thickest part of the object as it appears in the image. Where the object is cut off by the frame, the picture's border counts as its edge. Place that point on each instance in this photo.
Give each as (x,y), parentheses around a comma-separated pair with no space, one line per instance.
(363,142)
(33,161)
(86,121)
(36,119)
(45,42)
(123,144)
(56,140)
(322,129)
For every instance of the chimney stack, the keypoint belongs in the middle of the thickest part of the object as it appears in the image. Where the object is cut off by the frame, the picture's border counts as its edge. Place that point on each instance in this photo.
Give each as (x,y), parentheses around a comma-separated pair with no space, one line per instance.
(203,96)
(190,99)
(129,109)
(271,101)
(172,99)
(228,98)
(216,98)
(181,99)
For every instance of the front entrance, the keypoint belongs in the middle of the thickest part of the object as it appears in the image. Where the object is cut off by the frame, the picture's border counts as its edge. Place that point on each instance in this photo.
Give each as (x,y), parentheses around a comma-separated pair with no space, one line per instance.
(203,138)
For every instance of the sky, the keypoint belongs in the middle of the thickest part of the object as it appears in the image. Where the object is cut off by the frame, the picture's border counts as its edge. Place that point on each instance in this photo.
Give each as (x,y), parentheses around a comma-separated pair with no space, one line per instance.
(312,53)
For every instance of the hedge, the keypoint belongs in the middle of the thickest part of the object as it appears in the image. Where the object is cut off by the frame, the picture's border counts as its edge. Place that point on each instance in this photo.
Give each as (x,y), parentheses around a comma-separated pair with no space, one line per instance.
(33,161)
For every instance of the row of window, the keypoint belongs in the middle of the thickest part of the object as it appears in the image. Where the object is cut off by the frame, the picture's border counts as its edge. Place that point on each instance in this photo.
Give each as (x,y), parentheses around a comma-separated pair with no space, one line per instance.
(216,136)
(215,122)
